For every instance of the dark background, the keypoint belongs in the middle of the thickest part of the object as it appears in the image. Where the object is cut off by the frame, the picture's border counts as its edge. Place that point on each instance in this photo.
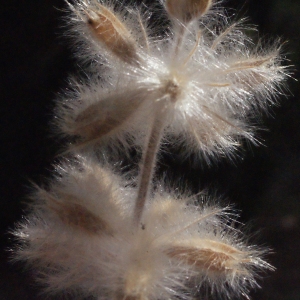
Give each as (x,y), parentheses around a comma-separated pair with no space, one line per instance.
(35,62)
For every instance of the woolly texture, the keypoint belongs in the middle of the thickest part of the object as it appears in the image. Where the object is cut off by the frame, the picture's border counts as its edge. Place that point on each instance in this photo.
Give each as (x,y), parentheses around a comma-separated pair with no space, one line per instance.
(91,232)
(82,239)
(205,75)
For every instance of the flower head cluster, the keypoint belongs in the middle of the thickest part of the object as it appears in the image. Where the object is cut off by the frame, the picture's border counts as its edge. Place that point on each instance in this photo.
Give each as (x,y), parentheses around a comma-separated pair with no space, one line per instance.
(82,239)
(93,233)
(200,80)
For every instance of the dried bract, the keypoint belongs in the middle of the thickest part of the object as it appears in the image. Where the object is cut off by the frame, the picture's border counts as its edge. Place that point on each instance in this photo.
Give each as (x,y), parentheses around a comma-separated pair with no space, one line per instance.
(187,10)
(102,119)
(108,29)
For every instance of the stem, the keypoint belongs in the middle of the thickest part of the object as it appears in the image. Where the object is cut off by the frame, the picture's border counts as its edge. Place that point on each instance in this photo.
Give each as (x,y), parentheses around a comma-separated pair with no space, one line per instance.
(149,159)
(180,34)
(144,32)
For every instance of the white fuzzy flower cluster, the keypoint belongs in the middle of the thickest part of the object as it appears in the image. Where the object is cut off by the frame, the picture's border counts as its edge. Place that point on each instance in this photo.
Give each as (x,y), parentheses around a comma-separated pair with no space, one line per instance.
(200,81)
(82,238)
(91,232)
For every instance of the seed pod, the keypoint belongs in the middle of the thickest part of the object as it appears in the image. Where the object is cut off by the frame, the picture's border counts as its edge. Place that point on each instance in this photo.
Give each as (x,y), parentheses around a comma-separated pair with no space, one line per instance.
(253,73)
(106,117)
(69,210)
(112,32)
(249,64)
(211,256)
(187,10)
(77,216)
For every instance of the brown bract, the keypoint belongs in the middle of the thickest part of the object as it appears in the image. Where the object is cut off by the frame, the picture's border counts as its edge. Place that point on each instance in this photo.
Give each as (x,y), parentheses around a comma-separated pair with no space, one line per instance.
(250,63)
(77,216)
(109,30)
(105,117)
(187,10)
(210,256)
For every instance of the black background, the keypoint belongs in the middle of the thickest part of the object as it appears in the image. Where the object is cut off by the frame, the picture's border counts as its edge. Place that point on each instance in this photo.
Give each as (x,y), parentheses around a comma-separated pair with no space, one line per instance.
(35,61)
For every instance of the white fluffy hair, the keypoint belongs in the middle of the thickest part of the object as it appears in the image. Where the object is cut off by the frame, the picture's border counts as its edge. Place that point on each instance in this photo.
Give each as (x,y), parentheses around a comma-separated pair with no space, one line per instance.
(199,83)
(82,239)
(205,75)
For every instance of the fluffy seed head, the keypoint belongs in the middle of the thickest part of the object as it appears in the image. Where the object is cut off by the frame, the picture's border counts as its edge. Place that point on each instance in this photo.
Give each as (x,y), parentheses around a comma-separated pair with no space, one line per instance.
(81,238)
(206,76)
(198,85)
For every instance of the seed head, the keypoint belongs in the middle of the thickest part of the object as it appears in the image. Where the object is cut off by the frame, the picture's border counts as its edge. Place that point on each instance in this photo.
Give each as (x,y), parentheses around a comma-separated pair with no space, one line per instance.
(206,81)
(94,233)
(81,239)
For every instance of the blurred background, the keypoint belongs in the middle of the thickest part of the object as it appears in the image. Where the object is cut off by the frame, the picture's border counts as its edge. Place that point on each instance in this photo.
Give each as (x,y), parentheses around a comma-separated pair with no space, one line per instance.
(264,184)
